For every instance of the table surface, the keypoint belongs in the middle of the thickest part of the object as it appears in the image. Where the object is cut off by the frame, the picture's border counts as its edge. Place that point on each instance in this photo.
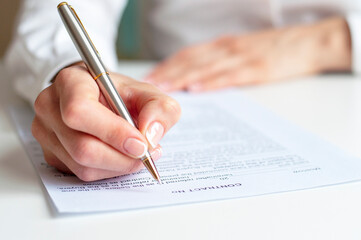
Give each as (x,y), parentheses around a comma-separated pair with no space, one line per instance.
(327,105)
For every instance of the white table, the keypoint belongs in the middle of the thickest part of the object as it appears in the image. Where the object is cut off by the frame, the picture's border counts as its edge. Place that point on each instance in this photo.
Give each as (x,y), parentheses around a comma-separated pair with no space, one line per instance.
(329,106)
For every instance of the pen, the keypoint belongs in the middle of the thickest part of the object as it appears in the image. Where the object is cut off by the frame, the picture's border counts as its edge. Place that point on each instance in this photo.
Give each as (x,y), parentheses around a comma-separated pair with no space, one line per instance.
(98,71)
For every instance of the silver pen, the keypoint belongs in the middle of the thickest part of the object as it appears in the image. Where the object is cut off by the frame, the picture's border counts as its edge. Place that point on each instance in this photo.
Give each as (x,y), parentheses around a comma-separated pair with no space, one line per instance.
(98,71)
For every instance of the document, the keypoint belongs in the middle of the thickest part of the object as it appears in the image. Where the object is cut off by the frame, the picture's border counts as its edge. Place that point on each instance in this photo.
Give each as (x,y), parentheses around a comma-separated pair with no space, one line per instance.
(224,146)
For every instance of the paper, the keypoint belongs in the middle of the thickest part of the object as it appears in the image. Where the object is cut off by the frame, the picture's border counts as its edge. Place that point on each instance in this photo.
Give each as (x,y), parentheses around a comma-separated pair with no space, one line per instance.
(224,146)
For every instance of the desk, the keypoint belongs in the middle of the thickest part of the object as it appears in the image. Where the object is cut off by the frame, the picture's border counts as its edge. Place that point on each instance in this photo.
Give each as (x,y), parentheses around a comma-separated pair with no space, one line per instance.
(329,106)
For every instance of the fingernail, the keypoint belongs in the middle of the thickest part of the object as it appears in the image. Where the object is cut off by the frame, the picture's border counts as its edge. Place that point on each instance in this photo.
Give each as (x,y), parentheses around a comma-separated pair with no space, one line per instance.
(195,87)
(154,133)
(156,153)
(135,148)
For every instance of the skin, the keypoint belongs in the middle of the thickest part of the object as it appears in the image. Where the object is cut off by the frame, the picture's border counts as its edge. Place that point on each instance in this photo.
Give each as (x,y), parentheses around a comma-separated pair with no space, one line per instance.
(259,57)
(79,134)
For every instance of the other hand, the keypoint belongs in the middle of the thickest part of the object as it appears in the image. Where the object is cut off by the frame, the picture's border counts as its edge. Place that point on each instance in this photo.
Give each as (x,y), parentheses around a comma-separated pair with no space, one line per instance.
(259,57)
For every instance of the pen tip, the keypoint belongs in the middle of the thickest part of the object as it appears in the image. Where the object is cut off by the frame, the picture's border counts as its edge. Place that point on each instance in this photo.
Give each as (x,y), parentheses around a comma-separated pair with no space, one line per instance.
(149,164)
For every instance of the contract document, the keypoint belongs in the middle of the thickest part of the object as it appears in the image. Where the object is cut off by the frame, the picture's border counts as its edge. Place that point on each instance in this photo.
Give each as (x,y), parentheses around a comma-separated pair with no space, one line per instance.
(224,146)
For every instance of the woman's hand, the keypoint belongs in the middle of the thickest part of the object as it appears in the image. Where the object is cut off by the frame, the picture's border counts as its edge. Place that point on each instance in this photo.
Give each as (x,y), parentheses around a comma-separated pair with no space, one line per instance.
(259,57)
(78,133)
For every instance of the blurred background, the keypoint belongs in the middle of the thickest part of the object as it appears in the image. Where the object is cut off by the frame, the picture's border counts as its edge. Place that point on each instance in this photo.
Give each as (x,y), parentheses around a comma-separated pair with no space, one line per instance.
(129,46)
(8,12)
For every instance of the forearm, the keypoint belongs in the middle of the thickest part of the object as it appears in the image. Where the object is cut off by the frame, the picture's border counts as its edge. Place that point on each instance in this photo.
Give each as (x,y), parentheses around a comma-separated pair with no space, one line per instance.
(41,45)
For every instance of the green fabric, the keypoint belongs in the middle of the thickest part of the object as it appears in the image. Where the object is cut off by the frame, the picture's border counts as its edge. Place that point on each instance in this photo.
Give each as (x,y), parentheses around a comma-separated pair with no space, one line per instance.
(128,41)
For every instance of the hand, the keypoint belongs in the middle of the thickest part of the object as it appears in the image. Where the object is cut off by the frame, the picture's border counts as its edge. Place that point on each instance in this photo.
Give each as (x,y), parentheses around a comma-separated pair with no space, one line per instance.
(258,57)
(79,134)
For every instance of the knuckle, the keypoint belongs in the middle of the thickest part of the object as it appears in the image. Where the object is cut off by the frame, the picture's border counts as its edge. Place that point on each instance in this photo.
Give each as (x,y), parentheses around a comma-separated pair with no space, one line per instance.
(171,107)
(63,75)
(41,102)
(132,86)
(115,136)
(131,167)
(192,77)
(83,152)
(223,39)
(86,174)
(51,160)
(72,113)
(35,129)
(185,53)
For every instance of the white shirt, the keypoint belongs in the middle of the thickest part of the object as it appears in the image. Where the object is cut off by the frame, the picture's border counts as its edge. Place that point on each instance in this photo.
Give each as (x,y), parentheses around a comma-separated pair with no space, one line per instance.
(41,45)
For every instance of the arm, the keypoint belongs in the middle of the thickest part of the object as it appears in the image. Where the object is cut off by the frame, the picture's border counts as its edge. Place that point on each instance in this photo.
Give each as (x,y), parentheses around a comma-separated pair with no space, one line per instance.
(258,57)
(41,46)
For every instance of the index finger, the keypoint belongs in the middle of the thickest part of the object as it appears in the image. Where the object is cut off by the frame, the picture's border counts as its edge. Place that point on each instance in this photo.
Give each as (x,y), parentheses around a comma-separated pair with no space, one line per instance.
(154,111)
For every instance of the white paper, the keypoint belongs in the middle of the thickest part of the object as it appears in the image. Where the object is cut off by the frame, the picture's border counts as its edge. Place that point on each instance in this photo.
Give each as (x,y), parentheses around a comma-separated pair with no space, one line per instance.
(224,146)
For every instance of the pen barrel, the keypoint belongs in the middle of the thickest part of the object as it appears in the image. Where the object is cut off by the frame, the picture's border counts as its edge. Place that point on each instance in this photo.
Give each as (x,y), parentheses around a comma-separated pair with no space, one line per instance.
(113,99)
(96,68)
(81,40)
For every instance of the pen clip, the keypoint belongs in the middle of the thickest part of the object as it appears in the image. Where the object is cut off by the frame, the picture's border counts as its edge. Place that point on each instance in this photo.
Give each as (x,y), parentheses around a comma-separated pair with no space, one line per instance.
(76,15)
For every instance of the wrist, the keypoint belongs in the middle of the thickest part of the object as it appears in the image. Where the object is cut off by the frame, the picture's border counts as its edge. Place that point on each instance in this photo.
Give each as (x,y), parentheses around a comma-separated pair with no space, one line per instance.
(332,52)
(77,63)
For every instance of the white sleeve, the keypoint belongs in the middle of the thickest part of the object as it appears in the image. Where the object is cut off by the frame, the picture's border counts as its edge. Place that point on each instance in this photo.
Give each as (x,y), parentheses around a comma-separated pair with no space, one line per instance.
(354,23)
(41,46)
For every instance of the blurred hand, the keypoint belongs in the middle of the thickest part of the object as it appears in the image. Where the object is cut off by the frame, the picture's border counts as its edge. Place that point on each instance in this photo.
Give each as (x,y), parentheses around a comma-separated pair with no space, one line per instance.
(258,57)
(79,134)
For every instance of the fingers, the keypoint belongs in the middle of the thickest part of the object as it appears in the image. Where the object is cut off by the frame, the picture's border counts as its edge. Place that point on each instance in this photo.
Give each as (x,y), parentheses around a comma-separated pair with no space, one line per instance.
(83,155)
(80,134)
(53,154)
(245,74)
(170,75)
(156,118)
(155,112)
(148,104)
(212,75)
(194,65)
(81,148)
(94,119)
(228,61)
(81,111)
(216,73)
(88,151)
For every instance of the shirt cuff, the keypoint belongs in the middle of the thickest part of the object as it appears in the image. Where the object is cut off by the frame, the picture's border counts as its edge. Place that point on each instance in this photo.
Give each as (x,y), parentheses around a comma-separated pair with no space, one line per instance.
(30,89)
(53,72)
(354,23)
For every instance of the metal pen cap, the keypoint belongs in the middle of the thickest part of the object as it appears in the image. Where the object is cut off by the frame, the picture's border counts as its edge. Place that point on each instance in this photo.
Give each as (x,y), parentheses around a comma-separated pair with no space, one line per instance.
(81,40)
(96,68)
